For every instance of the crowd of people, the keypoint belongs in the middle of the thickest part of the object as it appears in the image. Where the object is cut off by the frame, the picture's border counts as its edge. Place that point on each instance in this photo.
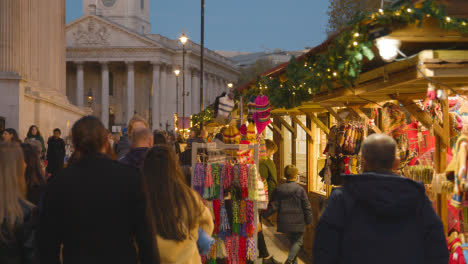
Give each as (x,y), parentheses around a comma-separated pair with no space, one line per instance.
(127,199)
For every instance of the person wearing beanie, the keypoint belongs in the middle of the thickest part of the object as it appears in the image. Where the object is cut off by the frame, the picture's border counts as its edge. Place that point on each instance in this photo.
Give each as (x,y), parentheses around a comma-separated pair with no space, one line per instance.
(291,203)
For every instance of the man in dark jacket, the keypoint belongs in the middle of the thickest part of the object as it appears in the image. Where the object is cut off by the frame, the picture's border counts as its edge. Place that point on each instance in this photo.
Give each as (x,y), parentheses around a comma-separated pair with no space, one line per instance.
(294,211)
(379,217)
(55,153)
(142,140)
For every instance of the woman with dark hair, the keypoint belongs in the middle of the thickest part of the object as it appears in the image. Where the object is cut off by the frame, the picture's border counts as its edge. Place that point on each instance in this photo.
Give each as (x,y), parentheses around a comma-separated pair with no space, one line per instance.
(17,215)
(34,173)
(55,153)
(34,133)
(176,220)
(159,138)
(10,135)
(95,207)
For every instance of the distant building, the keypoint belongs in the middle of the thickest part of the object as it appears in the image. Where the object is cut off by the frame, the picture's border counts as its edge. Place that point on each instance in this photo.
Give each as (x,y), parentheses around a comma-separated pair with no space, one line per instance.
(113,57)
(245,59)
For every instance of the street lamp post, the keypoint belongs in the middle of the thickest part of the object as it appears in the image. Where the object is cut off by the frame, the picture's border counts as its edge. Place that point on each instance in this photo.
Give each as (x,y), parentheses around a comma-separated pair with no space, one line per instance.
(183,39)
(177,72)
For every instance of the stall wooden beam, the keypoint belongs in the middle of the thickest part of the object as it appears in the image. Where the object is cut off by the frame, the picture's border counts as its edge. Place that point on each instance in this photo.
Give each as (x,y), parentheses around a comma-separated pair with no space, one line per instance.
(362,115)
(288,126)
(319,123)
(275,128)
(278,157)
(297,121)
(424,118)
(333,113)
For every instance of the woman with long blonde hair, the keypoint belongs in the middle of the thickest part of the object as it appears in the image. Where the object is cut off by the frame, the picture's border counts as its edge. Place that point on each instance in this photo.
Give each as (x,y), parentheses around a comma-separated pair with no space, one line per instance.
(17,216)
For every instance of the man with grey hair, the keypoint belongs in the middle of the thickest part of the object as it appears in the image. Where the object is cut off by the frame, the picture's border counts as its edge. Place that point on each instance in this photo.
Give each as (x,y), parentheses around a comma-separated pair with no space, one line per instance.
(378,216)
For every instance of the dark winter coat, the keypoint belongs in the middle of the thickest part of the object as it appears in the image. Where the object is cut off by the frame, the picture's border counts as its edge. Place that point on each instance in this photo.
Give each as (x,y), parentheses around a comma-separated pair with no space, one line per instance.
(123,147)
(135,157)
(19,248)
(292,204)
(379,218)
(96,208)
(55,155)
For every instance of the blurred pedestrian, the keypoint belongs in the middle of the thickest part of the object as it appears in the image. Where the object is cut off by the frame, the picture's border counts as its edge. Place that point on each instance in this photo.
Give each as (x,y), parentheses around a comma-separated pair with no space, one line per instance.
(10,135)
(34,172)
(142,141)
(17,215)
(124,144)
(294,211)
(55,153)
(267,170)
(378,216)
(176,220)
(95,207)
(34,133)
(116,137)
(159,138)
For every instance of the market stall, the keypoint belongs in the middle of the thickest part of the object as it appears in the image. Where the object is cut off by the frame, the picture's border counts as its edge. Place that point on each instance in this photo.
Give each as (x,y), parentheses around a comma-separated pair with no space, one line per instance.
(343,88)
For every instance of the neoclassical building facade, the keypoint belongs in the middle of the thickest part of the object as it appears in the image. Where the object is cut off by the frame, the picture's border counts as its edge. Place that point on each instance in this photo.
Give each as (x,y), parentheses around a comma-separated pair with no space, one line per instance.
(114,60)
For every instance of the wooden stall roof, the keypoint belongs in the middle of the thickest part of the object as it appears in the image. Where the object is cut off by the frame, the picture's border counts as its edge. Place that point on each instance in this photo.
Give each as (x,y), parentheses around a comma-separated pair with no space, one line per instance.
(402,79)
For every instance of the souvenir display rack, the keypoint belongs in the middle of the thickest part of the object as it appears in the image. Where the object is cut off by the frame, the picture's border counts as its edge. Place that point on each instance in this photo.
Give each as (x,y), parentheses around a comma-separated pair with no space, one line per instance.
(232,199)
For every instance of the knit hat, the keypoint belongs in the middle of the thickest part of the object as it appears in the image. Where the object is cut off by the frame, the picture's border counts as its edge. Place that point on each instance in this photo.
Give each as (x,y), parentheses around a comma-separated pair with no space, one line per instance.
(251,135)
(243,132)
(262,114)
(231,135)
(251,107)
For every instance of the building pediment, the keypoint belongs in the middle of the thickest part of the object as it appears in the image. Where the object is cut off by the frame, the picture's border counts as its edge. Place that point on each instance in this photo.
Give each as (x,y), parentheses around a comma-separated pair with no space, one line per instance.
(94,32)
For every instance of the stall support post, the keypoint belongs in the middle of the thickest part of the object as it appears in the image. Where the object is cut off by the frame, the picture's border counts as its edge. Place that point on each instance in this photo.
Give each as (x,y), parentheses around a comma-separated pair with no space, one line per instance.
(278,158)
(312,154)
(440,160)
(293,144)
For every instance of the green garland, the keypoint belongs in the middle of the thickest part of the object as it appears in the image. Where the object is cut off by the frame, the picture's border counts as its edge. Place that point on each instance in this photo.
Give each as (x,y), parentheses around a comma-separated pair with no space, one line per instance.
(204,117)
(343,62)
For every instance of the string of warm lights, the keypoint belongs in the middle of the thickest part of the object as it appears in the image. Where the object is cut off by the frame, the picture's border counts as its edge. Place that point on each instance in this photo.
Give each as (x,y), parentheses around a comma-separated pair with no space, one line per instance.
(343,62)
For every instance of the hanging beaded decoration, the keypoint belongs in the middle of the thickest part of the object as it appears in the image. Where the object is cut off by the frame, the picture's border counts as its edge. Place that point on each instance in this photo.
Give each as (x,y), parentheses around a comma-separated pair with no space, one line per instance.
(228,176)
(216,176)
(253,188)
(217,216)
(235,178)
(212,255)
(235,216)
(199,178)
(221,182)
(242,250)
(251,249)
(244,180)
(229,247)
(225,228)
(235,251)
(250,219)
(243,218)
(209,184)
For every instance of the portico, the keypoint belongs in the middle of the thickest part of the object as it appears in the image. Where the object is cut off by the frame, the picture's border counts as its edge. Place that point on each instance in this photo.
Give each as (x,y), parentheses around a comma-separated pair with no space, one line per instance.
(128,73)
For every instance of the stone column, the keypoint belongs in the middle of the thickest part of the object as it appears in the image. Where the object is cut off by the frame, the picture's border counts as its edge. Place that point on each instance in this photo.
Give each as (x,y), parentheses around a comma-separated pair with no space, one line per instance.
(163,96)
(156,114)
(188,90)
(79,84)
(105,94)
(195,95)
(208,89)
(130,90)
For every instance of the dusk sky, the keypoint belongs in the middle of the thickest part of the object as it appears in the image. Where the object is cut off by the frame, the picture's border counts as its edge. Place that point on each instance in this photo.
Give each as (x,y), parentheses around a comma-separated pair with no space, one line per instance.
(241,25)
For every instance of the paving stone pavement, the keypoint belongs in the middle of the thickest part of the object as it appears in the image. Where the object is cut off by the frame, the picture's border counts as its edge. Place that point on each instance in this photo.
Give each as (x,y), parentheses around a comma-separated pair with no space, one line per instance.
(278,246)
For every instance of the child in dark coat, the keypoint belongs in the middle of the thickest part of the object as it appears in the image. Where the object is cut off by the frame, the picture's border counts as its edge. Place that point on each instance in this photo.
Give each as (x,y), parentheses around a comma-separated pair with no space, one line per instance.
(294,211)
